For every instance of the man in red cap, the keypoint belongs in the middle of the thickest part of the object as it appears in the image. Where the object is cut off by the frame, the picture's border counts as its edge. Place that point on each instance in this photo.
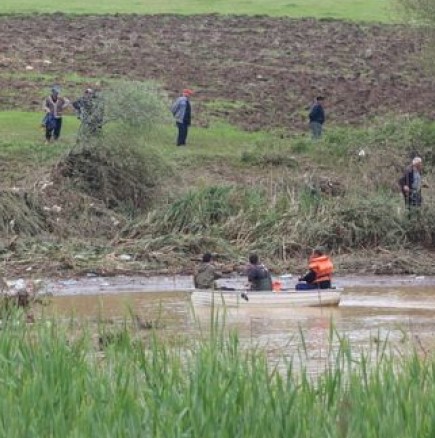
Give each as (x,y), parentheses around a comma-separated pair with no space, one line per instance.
(181,111)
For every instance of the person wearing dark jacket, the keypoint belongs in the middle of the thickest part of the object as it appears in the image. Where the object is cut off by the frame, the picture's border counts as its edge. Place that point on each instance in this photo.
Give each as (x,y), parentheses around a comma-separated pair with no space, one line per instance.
(90,111)
(320,271)
(182,112)
(317,117)
(411,182)
(259,277)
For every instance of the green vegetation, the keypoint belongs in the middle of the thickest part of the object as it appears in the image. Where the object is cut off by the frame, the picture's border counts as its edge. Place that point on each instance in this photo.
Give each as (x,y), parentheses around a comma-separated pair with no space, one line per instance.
(361,10)
(20,130)
(228,191)
(63,381)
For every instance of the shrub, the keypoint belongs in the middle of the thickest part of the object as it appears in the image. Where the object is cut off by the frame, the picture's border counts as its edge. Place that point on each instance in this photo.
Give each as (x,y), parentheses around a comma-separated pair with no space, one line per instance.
(121,171)
(135,104)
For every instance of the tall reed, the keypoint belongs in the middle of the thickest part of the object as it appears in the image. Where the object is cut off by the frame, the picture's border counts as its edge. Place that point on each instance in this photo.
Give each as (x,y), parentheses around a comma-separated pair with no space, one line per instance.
(58,383)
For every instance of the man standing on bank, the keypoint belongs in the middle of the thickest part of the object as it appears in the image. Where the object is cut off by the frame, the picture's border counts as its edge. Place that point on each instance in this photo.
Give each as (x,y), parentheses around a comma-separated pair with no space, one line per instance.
(181,110)
(411,183)
(317,117)
(53,107)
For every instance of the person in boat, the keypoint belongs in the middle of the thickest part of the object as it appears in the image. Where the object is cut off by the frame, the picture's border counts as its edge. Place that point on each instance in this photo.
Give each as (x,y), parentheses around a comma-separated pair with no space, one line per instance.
(206,274)
(320,271)
(259,277)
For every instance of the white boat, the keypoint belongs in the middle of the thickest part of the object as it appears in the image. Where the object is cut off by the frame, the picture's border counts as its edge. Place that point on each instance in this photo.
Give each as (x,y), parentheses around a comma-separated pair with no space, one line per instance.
(287,298)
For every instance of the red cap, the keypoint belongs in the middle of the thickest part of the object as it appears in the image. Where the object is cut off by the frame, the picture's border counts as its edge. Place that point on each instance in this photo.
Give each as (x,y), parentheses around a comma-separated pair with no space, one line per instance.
(187,92)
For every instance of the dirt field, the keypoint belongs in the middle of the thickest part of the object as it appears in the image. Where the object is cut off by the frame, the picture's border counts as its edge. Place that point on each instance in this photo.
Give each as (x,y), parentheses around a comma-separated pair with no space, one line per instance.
(260,72)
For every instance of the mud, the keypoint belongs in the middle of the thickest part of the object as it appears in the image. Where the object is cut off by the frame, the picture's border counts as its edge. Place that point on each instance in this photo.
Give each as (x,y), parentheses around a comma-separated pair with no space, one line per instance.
(261,72)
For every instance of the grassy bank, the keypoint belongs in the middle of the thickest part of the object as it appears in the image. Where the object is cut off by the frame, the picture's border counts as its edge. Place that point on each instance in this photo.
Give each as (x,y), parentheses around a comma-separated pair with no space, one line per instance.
(63,382)
(229,192)
(371,10)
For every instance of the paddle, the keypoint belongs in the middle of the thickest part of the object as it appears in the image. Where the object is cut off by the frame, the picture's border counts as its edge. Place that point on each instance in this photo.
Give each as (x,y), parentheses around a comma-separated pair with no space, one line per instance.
(320,298)
(244,295)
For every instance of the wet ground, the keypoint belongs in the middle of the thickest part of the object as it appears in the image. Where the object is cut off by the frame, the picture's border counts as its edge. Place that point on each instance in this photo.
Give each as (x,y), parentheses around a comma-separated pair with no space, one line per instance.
(258,72)
(399,310)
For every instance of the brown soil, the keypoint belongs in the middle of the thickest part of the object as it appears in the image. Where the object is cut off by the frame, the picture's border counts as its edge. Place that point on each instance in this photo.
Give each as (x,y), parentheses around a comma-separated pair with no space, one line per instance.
(271,67)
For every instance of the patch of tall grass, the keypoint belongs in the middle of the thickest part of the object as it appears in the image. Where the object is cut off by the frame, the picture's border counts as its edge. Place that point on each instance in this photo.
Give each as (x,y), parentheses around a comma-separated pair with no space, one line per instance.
(202,209)
(249,219)
(402,135)
(22,213)
(57,381)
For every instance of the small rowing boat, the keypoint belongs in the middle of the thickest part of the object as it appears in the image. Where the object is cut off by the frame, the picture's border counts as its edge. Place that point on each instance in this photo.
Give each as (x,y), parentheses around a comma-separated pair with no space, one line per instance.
(287,298)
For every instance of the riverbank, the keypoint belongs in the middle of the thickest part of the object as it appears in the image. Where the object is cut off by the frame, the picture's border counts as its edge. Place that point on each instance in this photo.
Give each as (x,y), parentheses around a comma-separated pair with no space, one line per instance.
(130,202)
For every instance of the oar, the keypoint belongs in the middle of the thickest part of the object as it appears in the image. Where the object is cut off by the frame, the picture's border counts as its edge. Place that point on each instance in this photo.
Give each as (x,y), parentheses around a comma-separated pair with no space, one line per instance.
(319,295)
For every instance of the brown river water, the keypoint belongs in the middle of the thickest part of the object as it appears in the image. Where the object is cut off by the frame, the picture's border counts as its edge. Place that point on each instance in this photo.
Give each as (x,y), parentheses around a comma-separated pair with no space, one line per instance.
(398,311)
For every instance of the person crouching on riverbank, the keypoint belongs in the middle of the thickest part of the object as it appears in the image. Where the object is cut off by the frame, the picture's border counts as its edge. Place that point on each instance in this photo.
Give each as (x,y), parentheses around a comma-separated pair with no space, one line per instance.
(320,271)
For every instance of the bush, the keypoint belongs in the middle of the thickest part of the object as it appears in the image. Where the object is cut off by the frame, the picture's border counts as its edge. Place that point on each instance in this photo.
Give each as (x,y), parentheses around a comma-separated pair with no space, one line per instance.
(134,104)
(121,171)
(119,166)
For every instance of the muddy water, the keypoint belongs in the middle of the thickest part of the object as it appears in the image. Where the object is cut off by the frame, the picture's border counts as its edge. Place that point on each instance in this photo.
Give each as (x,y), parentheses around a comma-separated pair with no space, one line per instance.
(398,310)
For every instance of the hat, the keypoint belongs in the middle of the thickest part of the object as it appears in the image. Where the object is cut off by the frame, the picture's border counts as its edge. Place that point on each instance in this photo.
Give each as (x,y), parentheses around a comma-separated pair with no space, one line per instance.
(187,92)
(55,89)
(416,160)
(89,90)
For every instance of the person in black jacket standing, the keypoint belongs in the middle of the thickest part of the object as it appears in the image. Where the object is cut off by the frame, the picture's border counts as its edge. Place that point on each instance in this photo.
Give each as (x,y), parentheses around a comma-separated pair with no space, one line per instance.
(317,117)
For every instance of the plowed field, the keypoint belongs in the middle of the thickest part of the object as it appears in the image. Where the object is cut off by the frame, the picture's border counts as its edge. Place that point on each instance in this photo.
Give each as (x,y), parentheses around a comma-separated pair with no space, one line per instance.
(257,72)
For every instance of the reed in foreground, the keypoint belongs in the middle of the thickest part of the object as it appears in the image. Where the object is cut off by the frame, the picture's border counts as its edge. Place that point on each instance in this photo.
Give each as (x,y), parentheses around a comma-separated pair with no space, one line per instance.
(56,384)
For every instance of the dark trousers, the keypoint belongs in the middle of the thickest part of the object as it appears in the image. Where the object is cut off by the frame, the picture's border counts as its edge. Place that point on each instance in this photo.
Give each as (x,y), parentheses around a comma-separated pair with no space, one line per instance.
(54,130)
(316,129)
(412,199)
(311,286)
(182,133)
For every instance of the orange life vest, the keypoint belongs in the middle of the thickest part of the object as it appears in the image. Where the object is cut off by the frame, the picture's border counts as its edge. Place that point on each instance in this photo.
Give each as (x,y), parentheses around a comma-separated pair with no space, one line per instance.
(322,267)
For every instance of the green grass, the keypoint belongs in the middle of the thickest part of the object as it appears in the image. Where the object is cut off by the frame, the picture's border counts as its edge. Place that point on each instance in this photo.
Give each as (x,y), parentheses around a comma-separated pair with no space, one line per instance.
(360,10)
(18,127)
(60,382)
(21,130)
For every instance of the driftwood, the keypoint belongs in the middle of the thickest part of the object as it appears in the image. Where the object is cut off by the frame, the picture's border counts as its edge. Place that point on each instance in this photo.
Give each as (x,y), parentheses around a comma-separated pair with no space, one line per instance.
(19,293)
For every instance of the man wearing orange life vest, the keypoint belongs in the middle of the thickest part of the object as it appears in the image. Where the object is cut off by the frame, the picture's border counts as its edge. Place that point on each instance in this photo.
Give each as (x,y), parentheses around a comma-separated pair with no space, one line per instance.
(320,272)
